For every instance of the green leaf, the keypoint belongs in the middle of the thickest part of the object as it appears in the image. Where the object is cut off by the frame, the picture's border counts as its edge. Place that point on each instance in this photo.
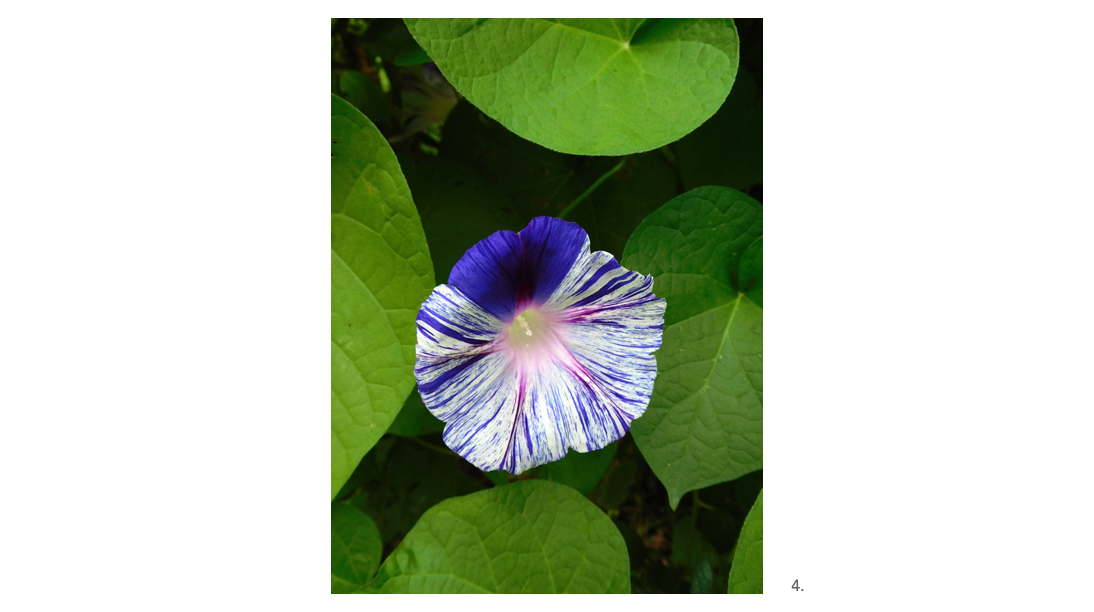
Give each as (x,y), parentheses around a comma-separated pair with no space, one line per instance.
(498,477)
(581,471)
(747,573)
(380,275)
(704,423)
(752,272)
(355,548)
(362,92)
(703,576)
(526,537)
(728,149)
(588,86)
(412,57)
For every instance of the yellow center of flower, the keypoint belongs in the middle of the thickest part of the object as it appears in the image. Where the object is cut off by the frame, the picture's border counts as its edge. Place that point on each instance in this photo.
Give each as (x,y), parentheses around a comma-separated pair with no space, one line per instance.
(528,329)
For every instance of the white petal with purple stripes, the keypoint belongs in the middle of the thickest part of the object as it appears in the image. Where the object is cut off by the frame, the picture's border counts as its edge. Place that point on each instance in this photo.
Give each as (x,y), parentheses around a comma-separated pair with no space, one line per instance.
(537,346)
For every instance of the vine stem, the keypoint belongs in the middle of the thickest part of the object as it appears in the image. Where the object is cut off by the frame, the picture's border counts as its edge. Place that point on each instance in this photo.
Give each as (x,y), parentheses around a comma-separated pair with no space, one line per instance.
(698,503)
(607,175)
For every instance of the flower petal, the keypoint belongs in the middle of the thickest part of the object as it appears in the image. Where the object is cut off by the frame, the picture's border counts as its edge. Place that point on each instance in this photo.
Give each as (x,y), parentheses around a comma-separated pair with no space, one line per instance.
(529,418)
(454,334)
(507,270)
(489,272)
(614,342)
(551,247)
(513,410)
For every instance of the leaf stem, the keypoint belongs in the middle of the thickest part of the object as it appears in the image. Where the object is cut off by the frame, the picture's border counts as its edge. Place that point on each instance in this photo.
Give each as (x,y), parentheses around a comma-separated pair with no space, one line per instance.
(697,503)
(592,188)
(666,152)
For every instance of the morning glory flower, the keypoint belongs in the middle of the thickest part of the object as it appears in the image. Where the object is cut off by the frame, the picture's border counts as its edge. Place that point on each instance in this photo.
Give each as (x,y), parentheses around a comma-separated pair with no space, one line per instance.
(536,346)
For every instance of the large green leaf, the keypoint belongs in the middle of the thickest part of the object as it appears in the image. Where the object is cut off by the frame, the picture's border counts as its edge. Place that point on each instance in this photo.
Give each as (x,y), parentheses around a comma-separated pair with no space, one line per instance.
(380,275)
(588,86)
(747,573)
(704,423)
(355,548)
(526,537)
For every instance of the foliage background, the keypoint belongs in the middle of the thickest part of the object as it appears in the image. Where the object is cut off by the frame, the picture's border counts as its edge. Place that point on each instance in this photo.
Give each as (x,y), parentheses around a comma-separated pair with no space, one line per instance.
(469,177)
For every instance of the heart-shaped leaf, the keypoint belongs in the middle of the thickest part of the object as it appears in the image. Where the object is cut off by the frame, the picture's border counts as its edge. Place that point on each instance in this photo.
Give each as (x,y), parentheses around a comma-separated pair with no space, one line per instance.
(588,86)
(380,275)
(704,423)
(526,537)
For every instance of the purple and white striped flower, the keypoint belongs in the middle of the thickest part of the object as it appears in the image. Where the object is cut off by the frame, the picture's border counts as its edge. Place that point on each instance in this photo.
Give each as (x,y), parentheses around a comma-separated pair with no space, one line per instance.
(536,346)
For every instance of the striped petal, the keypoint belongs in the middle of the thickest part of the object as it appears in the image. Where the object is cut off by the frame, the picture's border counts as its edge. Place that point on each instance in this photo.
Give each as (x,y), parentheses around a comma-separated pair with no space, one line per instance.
(568,366)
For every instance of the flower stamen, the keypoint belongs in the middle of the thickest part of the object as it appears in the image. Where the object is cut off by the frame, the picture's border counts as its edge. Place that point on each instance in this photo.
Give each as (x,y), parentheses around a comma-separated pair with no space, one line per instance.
(528,329)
